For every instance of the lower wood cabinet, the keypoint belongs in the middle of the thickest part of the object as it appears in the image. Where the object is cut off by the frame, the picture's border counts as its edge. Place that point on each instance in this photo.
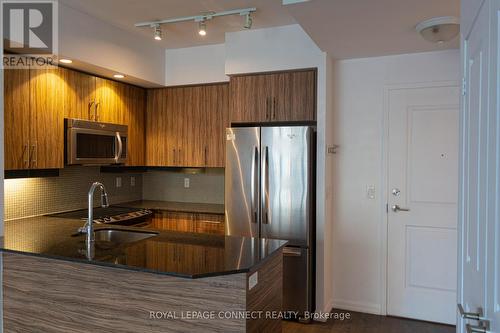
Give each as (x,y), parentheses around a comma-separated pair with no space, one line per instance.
(189,222)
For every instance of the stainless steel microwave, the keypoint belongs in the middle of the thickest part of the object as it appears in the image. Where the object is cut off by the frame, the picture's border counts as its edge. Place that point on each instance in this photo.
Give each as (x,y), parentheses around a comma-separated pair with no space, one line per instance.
(95,143)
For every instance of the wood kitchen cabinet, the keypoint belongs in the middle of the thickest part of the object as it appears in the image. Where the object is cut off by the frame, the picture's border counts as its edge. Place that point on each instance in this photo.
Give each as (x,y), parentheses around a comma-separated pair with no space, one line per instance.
(38,100)
(34,123)
(273,97)
(185,126)
(16,118)
(189,222)
(46,119)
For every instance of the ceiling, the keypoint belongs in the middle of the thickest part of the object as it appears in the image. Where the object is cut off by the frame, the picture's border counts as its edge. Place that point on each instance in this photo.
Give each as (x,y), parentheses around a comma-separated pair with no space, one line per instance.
(366,28)
(343,28)
(125,13)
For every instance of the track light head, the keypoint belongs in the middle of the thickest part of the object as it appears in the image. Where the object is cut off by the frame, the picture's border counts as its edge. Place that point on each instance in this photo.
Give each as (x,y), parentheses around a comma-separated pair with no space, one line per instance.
(157,32)
(202,28)
(248,21)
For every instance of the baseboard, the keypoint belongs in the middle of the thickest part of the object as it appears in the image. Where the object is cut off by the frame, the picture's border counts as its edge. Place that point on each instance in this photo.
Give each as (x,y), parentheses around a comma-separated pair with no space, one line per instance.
(326,309)
(371,308)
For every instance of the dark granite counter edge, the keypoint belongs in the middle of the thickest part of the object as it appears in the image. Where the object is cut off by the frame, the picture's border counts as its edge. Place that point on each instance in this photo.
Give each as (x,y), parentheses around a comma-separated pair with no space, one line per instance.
(145,270)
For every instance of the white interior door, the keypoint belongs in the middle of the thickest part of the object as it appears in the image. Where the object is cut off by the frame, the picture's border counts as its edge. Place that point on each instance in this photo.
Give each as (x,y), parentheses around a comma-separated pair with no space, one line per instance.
(423,183)
(474,168)
(480,172)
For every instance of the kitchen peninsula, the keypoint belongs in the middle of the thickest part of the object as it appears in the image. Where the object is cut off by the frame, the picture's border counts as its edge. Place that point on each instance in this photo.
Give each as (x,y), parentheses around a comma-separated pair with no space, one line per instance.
(52,282)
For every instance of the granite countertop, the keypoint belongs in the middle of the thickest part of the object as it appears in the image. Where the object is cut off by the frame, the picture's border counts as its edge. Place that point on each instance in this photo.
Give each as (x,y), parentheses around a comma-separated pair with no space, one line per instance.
(187,255)
(172,206)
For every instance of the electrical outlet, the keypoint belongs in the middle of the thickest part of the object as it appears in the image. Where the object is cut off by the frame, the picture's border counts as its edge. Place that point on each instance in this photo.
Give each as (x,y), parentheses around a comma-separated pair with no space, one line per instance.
(132,181)
(186,183)
(118,182)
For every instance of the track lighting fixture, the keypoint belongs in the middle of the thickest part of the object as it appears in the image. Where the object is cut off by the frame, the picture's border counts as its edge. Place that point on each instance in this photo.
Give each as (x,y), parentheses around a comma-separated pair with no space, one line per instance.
(157,31)
(248,21)
(202,28)
(201,19)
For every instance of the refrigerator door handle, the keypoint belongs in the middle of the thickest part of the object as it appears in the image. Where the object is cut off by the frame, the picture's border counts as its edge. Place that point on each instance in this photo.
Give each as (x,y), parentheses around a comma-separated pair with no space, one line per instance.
(265,190)
(254,180)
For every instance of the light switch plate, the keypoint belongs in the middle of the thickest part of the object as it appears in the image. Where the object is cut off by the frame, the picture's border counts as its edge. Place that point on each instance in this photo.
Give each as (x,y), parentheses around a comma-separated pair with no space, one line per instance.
(370,192)
(253,280)
(118,182)
(186,183)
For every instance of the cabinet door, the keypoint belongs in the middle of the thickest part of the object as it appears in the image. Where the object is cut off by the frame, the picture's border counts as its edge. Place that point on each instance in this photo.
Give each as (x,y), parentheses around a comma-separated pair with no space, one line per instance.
(16,118)
(46,118)
(110,101)
(250,99)
(176,128)
(78,92)
(135,119)
(209,224)
(299,97)
(192,120)
(214,123)
(173,221)
(157,151)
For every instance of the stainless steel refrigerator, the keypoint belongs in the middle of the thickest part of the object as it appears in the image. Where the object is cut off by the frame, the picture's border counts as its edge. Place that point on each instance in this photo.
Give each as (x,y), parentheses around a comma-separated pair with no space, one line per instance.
(270,193)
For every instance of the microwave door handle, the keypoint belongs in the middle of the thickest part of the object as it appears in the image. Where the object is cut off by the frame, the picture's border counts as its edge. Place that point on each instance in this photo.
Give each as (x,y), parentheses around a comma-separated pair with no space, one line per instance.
(120,147)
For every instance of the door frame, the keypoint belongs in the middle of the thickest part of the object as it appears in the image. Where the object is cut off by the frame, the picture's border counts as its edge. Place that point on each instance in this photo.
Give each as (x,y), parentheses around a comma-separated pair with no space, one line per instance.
(384,230)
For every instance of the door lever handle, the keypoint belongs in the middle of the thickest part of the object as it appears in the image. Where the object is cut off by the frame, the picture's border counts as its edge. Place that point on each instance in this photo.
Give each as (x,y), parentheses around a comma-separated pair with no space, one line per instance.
(470,315)
(483,327)
(396,208)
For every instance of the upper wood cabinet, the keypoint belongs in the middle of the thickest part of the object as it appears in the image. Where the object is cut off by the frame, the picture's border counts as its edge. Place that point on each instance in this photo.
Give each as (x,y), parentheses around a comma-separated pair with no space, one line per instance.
(185,126)
(16,119)
(47,119)
(34,123)
(38,100)
(273,97)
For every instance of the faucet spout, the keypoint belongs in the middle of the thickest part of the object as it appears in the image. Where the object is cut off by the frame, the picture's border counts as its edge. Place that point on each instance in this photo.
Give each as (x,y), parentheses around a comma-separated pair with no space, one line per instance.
(89,226)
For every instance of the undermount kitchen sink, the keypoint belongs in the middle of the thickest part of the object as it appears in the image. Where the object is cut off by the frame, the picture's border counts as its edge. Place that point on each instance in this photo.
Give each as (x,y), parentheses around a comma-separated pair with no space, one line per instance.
(121,236)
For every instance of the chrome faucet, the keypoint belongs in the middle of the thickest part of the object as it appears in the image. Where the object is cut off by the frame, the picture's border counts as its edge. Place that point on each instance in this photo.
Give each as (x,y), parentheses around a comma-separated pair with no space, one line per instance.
(88,228)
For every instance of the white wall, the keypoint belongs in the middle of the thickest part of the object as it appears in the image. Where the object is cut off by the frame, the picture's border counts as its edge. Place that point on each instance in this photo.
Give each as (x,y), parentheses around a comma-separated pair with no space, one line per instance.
(200,64)
(281,48)
(358,234)
(92,41)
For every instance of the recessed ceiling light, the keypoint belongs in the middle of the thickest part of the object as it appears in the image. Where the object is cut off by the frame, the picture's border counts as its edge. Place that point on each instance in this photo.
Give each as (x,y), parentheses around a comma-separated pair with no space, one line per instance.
(119,76)
(66,61)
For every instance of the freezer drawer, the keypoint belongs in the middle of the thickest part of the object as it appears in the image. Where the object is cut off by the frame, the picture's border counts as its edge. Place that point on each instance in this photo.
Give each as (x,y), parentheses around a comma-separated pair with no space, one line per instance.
(297,284)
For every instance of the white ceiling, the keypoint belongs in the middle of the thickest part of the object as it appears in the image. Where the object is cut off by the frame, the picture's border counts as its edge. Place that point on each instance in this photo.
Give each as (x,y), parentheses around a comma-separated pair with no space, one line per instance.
(343,28)
(367,28)
(125,13)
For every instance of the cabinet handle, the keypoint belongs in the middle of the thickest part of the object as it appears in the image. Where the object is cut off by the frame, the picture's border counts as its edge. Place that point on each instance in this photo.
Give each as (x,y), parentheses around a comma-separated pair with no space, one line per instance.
(173,150)
(267,108)
(26,157)
(179,156)
(90,107)
(274,108)
(96,118)
(206,156)
(33,155)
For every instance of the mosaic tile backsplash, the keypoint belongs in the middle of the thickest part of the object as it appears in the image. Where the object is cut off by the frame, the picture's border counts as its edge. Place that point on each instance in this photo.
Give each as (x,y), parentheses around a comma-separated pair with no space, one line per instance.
(36,196)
